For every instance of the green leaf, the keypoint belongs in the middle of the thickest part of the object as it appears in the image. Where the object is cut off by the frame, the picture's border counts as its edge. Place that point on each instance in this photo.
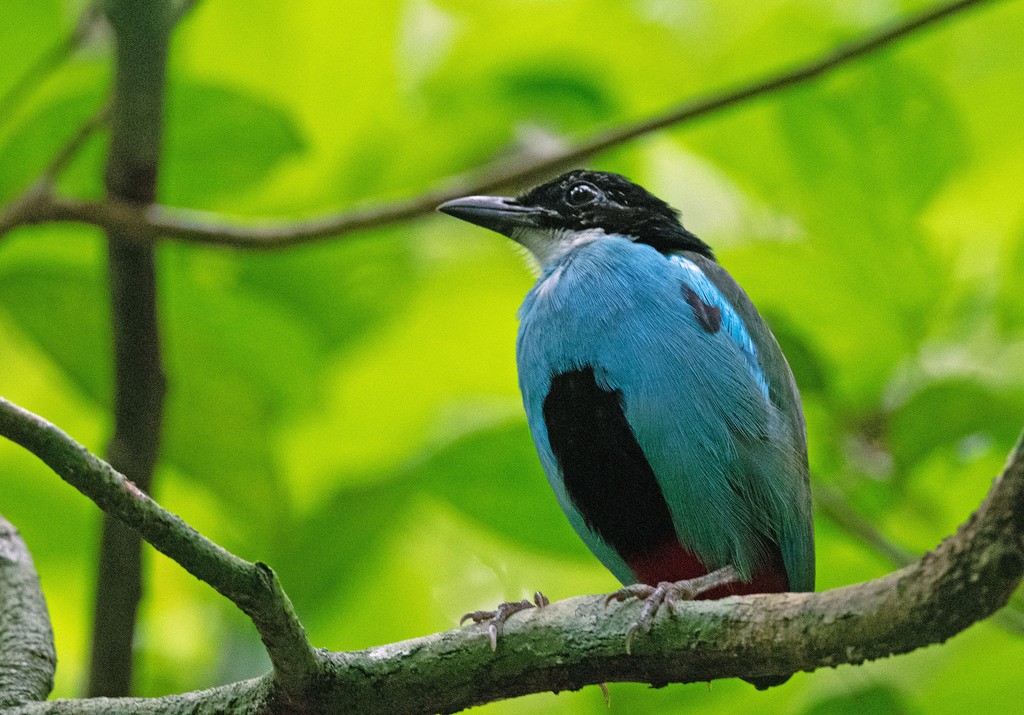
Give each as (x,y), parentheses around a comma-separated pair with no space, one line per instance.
(1011,287)
(891,138)
(30,34)
(853,160)
(879,698)
(56,292)
(33,142)
(339,291)
(327,553)
(955,415)
(222,142)
(237,365)
(495,477)
(810,368)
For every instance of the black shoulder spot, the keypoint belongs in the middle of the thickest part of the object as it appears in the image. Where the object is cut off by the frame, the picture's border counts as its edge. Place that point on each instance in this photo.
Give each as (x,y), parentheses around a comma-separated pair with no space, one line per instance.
(709,316)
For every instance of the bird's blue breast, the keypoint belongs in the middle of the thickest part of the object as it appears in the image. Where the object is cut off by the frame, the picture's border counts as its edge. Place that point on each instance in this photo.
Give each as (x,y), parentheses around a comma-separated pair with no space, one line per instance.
(614,297)
(657,334)
(622,308)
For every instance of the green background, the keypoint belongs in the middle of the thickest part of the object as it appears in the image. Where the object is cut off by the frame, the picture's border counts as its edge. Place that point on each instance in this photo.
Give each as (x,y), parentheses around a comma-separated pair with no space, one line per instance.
(348,412)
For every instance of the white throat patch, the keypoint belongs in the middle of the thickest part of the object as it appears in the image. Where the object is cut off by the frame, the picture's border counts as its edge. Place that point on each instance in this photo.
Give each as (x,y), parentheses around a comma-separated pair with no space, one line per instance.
(549,245)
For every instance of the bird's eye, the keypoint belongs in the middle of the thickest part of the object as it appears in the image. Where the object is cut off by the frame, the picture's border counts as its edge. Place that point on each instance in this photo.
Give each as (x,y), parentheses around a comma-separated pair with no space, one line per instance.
(582,194)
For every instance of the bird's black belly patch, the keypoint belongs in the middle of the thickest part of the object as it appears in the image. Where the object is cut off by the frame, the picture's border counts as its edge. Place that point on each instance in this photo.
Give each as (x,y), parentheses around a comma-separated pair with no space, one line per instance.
(606,473)
(709,316)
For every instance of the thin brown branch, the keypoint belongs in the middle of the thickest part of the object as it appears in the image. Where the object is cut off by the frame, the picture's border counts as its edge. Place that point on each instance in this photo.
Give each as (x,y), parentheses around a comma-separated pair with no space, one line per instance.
(201,227)
(32,206)
(39,196)
(86,26)
(67,153)
(141,32)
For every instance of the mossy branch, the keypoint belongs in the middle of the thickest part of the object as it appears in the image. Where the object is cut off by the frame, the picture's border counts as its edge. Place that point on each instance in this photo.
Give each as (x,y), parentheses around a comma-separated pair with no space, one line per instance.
(569,644)
(253,587)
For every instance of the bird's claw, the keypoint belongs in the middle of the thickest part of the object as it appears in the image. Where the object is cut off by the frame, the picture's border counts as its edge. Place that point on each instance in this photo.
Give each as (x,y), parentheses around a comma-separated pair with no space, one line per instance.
(496,619)
(652,596)
(636,590)
(668,593)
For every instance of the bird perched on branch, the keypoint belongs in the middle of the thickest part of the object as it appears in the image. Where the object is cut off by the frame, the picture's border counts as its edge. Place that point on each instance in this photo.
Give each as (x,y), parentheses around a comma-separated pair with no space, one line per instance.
(665,415)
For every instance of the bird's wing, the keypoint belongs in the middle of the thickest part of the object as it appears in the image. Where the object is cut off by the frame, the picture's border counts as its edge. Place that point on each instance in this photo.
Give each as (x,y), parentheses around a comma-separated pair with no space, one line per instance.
(781,384)
(796,537)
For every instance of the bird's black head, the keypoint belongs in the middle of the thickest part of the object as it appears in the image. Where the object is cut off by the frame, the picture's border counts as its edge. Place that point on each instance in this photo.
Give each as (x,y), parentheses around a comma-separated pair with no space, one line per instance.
(580,201)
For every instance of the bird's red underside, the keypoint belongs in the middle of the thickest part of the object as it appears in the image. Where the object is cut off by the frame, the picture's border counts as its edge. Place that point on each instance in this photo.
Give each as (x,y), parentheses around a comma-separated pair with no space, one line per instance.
(672,562)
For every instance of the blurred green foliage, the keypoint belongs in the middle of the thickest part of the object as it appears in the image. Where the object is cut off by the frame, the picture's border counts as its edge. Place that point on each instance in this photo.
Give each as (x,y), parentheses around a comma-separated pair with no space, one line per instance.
(348,411)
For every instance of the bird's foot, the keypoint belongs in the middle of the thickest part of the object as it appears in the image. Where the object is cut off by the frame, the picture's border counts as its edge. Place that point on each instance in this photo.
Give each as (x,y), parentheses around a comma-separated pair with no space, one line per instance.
(668,593)
(496,619)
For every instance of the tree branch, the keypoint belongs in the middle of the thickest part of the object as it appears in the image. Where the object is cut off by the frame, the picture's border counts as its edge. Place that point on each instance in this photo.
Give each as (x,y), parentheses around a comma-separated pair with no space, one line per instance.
(569,644)
(577,642)
(253,587)
(27,655)
(142,32)
(203,227)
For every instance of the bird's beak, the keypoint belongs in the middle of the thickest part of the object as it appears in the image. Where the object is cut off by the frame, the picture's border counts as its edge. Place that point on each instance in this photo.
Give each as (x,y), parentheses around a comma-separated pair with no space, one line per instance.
(497,213)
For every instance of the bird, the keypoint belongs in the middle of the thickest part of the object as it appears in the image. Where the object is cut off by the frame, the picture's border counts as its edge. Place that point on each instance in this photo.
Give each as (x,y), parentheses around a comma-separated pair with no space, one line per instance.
(663,411)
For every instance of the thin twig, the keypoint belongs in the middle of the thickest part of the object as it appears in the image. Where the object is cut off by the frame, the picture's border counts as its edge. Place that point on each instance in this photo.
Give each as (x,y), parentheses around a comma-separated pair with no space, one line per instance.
(836,507)
(70,149)
(39,197)
(202,227)
(48,62)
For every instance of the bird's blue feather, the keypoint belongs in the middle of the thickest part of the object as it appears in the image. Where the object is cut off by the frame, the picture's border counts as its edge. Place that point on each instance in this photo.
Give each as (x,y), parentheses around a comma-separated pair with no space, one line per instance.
(726,459)
(732,323)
